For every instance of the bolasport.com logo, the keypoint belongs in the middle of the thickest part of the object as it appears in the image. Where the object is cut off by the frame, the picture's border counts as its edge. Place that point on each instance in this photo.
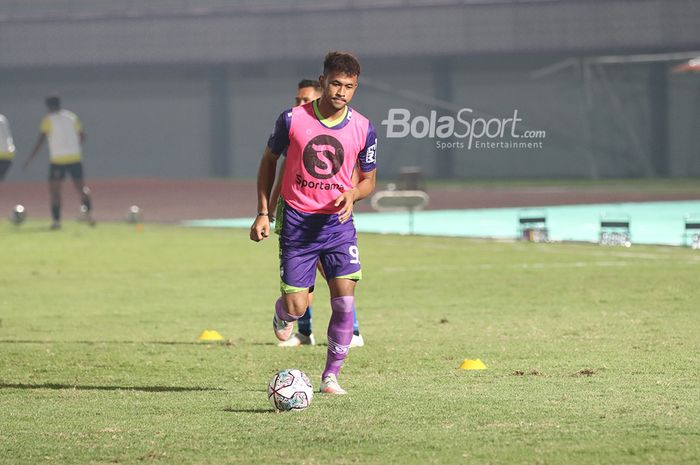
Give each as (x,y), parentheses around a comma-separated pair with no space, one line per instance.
(464,130)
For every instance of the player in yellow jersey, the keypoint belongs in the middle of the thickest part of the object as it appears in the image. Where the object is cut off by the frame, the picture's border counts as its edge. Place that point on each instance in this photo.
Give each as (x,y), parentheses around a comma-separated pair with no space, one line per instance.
(7,147)
(64,133)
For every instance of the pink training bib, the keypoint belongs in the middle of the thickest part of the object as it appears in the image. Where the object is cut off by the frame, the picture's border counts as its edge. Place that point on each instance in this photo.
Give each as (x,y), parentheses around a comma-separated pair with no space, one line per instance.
(320,160)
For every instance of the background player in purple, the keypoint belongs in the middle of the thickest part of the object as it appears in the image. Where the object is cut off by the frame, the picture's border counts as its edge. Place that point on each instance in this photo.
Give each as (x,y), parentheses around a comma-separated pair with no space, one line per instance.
(322,142)
(309,90)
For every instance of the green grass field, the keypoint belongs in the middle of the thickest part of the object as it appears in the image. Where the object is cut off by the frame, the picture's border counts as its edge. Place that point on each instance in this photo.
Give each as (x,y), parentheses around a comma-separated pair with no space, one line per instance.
(592,353)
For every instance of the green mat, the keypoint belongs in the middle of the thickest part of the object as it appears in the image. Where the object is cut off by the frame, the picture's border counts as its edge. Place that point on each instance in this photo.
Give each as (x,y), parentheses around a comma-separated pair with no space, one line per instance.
(650,222)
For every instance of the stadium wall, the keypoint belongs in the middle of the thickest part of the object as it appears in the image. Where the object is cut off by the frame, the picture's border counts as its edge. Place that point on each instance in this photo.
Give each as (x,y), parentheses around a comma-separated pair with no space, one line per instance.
(158,121)
(85,32)
(169,90)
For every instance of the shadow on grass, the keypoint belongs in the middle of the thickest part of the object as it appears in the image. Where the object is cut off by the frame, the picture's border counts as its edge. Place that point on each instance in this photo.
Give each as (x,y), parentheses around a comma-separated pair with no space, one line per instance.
(273,343)
(33,229)
(249,410)
(169,343)
(79,387)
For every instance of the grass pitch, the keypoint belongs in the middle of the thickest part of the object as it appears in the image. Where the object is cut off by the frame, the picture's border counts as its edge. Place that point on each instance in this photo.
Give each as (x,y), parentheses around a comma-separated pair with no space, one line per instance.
(592,352)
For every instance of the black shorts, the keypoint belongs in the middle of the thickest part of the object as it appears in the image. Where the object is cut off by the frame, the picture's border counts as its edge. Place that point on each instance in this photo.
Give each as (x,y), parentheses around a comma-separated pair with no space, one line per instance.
(58,172)
(4,166)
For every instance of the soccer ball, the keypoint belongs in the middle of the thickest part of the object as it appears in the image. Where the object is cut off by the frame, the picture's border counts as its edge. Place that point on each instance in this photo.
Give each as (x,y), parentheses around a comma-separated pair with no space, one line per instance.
(290,390)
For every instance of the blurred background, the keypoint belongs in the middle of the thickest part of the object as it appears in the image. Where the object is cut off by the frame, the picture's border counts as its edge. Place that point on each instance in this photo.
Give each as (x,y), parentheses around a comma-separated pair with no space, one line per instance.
(191,89)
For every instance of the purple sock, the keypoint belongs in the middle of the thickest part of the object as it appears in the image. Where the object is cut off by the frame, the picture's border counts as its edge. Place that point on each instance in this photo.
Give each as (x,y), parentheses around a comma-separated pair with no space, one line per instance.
(339,333)
(282,314)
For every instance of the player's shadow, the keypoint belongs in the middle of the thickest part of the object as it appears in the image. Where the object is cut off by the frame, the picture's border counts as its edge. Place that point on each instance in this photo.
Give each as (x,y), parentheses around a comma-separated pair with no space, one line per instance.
(81,387)
(167,343)
(248,410)
(34,229)
(265,344)
(269,344)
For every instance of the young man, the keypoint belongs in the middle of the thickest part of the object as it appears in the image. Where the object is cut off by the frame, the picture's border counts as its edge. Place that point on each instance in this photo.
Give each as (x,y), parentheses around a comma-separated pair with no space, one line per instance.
(63,130)
(7,147)
(309,90)
(323,142)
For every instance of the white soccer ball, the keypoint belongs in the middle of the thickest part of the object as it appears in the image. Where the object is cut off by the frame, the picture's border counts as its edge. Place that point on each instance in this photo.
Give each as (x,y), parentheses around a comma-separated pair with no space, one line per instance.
(290,390)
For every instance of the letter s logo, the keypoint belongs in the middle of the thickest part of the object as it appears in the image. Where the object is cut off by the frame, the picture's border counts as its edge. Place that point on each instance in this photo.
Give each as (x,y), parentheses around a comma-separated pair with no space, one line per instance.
(323,156)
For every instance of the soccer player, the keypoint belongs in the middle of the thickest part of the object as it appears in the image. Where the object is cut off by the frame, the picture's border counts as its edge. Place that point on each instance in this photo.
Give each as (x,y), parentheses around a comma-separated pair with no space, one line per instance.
(322,142)
(65,135)
(309,90)
(7,147)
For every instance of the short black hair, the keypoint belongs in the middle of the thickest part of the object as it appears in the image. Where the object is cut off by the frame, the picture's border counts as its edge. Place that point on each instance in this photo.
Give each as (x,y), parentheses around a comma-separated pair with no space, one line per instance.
(309,83)
(342,62)
(53,102)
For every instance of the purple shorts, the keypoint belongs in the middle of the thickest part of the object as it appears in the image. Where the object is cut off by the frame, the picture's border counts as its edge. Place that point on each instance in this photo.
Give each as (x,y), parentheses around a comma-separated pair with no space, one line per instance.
(306,238)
